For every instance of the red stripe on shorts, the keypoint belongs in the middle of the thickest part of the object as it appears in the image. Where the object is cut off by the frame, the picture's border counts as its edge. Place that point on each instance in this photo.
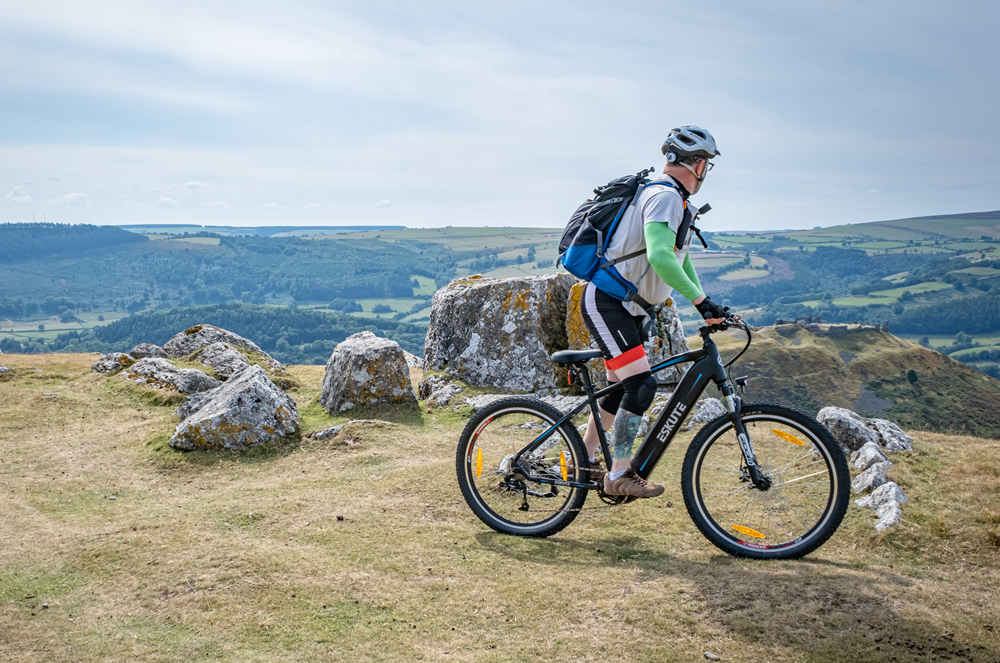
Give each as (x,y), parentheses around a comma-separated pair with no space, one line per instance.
(625,358)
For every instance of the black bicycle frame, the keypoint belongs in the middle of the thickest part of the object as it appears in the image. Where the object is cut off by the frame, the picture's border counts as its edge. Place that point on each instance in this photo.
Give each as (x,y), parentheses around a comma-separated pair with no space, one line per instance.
(706,367)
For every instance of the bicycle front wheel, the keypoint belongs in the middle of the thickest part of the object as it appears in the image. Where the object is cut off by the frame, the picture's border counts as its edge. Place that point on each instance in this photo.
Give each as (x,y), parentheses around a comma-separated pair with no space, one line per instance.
(506,495)
(804,504)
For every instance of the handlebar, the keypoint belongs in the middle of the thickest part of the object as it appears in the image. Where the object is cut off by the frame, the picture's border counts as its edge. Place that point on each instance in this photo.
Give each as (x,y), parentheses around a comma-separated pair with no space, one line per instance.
(730,322)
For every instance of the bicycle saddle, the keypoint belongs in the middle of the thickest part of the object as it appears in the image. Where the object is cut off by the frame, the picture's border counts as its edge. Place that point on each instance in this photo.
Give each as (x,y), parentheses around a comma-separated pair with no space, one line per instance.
(574,356)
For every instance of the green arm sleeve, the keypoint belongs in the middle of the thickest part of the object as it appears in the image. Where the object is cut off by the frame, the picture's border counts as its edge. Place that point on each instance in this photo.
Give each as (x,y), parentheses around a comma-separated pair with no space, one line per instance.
(660,253)
(691,274)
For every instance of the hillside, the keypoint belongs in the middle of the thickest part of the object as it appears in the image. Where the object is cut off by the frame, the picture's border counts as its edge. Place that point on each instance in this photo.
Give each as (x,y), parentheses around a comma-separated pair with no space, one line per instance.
(116,547)
(869,371)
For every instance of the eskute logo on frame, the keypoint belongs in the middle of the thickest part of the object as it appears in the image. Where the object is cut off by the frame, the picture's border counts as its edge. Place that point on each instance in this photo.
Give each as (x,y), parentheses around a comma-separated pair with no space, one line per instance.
(672,420)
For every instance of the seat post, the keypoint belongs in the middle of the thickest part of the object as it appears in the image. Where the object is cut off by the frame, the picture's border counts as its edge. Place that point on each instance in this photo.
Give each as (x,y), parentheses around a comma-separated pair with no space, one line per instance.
(585,374)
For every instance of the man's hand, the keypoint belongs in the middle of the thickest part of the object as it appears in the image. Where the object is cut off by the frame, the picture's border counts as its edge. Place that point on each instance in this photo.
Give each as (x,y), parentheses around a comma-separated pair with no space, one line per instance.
(713,313)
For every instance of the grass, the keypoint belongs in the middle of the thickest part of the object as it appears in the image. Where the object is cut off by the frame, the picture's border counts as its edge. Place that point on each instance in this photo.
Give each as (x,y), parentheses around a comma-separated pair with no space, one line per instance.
(427,285)
(367,552)
(743,274)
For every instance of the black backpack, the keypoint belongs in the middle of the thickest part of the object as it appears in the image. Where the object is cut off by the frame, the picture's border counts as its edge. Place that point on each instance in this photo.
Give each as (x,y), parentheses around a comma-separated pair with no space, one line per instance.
(590,228)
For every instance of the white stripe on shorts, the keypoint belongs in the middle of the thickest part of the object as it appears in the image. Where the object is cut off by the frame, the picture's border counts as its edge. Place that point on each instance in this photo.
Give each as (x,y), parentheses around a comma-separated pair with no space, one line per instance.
(590,303)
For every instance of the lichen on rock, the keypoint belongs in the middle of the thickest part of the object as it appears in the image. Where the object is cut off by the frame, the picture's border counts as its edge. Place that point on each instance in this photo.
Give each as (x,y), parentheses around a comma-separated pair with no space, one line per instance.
(162,373)
(246,411)
(500,332)
(366,370)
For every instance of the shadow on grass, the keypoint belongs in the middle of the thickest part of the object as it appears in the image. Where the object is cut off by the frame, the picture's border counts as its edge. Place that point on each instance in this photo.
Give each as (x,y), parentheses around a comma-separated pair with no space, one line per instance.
(825,610)
(167,456)
(316,418)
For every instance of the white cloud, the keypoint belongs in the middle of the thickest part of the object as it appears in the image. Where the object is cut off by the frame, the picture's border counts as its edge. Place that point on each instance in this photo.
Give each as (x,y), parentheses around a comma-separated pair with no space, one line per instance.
(74,198)
(19,195)
(166,201)
(195,185)
(382,204)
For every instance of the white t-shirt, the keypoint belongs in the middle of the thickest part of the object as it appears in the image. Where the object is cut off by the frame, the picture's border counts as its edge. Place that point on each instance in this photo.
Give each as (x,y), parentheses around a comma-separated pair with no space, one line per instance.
(652,204)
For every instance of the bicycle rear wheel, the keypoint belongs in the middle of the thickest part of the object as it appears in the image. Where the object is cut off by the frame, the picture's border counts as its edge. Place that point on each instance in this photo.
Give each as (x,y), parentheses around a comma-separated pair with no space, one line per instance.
(501,494)
(807,498)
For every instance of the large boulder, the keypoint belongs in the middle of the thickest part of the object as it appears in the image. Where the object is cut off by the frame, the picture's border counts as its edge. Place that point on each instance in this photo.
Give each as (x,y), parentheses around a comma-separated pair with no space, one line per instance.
(164,374)
(366,370)
(671,340)
(500,332)
(222,359)
(143,350)
(112,363)
(871,478)
(867,456)
(245,411)
(197,337)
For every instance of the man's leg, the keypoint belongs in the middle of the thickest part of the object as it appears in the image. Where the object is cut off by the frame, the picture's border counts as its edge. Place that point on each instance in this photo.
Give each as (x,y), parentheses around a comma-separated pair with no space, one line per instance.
(639,391)
(608,407)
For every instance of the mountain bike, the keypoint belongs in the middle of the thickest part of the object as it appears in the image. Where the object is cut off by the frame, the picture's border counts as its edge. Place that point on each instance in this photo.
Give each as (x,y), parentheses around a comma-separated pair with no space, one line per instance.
(760,481)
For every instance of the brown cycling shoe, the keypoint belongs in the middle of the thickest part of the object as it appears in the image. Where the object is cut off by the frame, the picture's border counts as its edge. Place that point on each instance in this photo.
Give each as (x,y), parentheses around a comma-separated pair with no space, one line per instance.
(632,485)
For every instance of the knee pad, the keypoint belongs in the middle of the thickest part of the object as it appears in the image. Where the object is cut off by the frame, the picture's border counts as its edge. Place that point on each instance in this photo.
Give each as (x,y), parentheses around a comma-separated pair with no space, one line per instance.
(611,402)
(640,390)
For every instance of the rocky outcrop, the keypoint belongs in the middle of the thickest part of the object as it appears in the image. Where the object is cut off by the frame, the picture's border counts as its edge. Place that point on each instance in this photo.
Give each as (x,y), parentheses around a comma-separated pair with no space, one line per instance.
(112,363)
(853,431)
(671,340)
(705,411)
(885,501)
(891,437)
(871,478)
(144,350)
(243,412)
(867,456)
(222,359)
(164,374)
(848,428)
(366,370)
(197,337)
(500,332)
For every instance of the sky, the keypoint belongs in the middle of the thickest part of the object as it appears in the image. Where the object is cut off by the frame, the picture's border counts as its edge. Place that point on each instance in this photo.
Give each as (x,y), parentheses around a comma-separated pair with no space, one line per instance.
(504,114)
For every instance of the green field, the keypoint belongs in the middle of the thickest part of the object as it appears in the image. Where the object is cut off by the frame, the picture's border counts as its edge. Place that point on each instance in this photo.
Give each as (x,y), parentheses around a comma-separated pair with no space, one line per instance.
(427,285)
(916,289)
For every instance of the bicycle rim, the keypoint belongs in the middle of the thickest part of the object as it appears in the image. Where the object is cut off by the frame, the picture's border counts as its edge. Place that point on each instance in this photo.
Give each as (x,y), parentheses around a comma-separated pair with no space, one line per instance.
(502,490)
(788,519)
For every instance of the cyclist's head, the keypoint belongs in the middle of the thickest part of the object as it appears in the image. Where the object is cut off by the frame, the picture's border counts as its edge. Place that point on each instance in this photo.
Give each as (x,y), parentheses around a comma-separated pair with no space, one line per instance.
(691,148)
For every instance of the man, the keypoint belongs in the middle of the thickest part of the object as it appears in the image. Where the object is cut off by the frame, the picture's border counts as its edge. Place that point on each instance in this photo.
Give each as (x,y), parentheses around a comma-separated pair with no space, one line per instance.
(652,221)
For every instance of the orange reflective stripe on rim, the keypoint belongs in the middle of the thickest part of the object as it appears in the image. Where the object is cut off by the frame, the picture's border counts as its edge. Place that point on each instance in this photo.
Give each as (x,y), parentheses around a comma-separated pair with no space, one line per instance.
(625,358)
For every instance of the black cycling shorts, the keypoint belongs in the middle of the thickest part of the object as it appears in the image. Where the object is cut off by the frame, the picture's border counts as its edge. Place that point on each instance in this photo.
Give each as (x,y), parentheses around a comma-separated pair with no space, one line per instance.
(618,333)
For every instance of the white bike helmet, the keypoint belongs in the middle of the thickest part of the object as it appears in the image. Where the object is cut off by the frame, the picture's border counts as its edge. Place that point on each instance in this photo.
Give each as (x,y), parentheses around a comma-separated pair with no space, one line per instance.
(689,142)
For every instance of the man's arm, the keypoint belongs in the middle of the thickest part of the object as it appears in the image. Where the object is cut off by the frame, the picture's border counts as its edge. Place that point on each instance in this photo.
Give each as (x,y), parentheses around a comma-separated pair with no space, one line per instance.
(691,274)
(660,253)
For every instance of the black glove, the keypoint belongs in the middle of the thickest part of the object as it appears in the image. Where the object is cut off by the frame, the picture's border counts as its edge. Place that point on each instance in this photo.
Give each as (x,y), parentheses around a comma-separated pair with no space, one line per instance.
(710,310)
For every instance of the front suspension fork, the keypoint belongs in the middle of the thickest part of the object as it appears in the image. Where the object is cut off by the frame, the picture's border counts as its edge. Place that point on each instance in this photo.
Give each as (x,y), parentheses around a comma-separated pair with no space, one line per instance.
(735,405)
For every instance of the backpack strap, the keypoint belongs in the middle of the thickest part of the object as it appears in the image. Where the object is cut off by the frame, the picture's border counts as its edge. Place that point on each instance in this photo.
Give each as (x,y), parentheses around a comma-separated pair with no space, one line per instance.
(636,254)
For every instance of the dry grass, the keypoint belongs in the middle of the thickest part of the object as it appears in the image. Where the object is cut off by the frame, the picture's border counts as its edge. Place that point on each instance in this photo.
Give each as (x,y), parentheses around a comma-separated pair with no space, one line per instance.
(366,551)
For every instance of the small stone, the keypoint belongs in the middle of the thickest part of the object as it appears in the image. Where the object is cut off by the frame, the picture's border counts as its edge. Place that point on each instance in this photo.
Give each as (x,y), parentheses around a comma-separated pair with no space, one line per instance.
(340,517)
(887,492)
(871,478)
(144,350)
(712,656)
(45,605)
(867,456)
(889,514)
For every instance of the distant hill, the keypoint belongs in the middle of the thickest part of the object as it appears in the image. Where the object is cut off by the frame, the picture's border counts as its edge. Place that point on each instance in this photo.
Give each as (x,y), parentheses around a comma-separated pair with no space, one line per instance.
(870,371)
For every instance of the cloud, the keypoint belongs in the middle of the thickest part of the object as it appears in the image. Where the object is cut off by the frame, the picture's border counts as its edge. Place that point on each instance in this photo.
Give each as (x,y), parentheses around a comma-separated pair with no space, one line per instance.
(312,205)
(272,205)
(166,201)
(217,204)
(195,185)
(19,195)
(382,204)
(74,198)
